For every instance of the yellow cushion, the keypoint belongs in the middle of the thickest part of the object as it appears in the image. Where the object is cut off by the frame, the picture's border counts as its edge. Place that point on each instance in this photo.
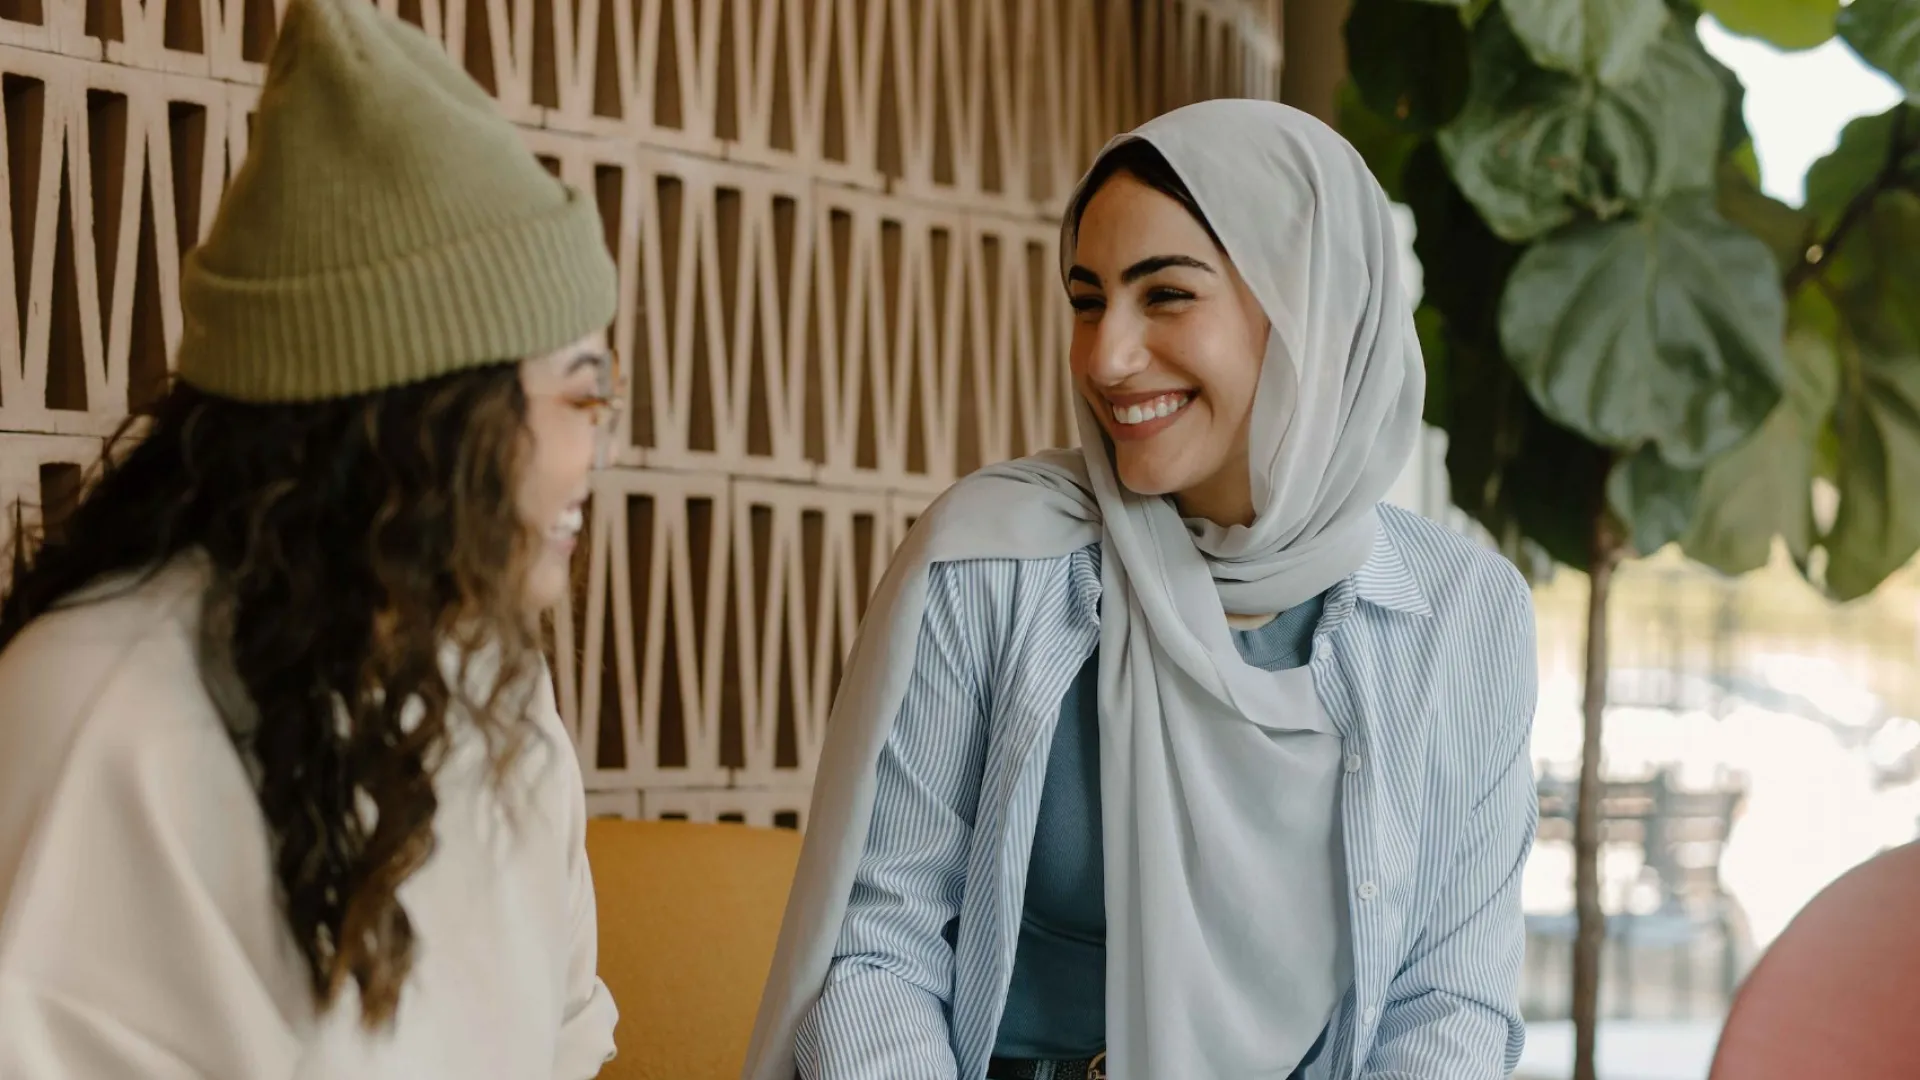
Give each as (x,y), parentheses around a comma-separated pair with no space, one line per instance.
(688,919)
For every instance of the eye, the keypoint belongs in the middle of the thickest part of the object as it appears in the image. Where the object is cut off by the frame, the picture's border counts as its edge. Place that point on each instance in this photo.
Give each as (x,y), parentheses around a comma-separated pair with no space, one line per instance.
(1087,305)
(1166,294)
(596,403)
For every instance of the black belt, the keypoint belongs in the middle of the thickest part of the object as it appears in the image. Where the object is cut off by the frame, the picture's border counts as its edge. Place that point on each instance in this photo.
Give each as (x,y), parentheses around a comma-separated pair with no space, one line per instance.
(1094,1068)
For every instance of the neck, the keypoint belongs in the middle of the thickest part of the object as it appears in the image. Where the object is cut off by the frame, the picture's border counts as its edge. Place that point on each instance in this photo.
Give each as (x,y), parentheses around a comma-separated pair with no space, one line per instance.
(1225,498)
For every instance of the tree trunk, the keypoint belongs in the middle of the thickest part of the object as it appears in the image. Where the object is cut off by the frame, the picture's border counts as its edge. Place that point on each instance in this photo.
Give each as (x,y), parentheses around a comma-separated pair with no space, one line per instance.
(1591,933)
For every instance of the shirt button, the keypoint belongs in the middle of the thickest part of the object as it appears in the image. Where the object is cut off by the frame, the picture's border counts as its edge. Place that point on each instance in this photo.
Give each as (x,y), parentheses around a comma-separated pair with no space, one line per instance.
(1368,890)
(1370,1015)
(1353,762)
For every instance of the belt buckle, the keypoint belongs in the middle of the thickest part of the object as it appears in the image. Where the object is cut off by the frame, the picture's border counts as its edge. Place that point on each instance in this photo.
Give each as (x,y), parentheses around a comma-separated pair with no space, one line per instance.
(1097,1068)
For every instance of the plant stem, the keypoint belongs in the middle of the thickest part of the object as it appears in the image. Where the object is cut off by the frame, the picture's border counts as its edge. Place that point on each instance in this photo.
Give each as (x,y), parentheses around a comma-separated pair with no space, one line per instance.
(1591,927)
(1815,258)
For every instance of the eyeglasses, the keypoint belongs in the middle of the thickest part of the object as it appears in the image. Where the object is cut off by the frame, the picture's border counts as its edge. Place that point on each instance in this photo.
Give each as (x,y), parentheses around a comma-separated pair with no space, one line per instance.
(603,407)
(610,398)
(606,407)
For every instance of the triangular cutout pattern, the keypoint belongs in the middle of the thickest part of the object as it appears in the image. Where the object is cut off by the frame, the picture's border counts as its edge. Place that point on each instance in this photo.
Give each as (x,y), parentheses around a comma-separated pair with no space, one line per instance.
(834,221)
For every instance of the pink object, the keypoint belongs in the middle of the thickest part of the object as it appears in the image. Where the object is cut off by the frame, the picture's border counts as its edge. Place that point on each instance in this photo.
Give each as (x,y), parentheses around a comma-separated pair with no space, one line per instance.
(1839,993)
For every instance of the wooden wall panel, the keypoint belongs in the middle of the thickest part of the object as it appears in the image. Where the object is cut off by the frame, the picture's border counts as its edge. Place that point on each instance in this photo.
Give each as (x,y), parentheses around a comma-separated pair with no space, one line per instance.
(40,478)
(835,224)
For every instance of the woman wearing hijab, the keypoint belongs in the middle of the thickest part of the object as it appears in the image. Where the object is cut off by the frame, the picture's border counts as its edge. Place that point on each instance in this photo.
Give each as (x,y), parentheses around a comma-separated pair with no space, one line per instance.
(1182,756)
(283,791)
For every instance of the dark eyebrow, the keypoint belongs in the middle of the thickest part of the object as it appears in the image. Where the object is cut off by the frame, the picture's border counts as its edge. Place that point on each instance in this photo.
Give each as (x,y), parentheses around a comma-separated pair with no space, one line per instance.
(1158,263)
(1143,268)
(587,359)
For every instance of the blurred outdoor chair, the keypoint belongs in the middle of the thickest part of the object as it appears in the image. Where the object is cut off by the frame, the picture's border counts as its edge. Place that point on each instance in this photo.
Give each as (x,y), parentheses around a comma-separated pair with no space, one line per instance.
(1837,994)
(1681,834)
(688,918)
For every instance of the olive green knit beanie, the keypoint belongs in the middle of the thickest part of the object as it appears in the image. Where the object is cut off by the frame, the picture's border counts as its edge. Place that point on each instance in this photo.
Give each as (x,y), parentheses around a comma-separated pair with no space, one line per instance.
(388,226)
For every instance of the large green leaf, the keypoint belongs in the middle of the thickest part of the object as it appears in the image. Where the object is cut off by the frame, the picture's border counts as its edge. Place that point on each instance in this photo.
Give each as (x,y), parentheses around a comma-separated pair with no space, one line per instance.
(1826,454)
(1866,156)
(1886,34)
(1877,530)
(1521,476)
(1533,484)
(1734,136)
(1788,24)
(1762,488)
(1652,499)
(1598,39)
(1876,275)
(1533,146)
(1383,144)
(1745,162)
(1661,132)
(1784,230)
(1663,330)
(1409,61)
(1518,148)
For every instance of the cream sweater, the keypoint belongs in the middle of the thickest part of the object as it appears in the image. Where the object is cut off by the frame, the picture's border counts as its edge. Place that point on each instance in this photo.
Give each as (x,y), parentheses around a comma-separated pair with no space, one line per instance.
(140,937)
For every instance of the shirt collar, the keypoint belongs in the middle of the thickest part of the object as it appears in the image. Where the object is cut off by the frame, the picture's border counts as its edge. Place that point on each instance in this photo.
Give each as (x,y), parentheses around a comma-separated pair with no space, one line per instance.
(1386,582)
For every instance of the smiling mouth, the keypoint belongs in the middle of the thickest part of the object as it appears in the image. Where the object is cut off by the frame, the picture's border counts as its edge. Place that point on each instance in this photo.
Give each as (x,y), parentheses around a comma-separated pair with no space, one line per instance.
(565,530)
(1145,412)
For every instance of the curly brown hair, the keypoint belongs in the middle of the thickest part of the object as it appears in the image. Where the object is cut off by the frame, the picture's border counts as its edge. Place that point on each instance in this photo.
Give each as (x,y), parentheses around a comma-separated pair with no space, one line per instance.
(349,543)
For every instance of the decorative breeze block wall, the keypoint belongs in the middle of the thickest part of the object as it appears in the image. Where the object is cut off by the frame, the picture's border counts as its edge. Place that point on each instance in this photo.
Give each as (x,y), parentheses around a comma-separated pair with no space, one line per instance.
(835,224)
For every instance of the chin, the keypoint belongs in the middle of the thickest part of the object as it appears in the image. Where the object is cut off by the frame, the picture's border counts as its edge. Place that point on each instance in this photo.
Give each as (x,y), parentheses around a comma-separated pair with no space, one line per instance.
(1149,474)
(545,587)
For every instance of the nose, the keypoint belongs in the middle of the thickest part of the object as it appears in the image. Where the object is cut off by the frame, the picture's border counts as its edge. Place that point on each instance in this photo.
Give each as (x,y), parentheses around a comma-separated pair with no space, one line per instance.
(1115,349)
(603,446)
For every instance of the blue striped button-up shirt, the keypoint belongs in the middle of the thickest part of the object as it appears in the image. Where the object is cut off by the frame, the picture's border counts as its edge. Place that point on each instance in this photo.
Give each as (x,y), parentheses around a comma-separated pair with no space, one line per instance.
(1424,660)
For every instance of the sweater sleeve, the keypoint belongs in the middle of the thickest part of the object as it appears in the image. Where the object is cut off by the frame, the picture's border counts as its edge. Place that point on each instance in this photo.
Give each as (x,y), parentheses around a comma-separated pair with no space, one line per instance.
(137,933)
(48,1036)
(586,1030)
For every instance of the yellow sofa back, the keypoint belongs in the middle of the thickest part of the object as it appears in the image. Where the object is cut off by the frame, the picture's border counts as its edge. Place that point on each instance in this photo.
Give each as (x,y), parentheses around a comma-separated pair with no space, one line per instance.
(688,918)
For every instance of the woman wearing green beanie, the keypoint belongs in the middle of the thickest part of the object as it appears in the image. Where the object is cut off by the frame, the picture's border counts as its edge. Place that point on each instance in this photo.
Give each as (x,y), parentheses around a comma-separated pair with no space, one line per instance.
(283,791)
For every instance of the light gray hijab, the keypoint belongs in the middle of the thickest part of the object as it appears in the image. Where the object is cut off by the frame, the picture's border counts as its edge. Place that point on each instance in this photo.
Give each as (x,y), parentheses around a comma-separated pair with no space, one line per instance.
(1221,950)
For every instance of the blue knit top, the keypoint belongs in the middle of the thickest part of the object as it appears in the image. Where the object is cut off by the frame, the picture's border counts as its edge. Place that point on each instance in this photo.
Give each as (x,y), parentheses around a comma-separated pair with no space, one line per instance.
(1057,1002)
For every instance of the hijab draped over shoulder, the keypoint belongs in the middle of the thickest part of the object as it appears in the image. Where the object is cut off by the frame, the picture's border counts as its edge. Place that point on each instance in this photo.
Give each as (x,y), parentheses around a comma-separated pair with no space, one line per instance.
(1221,942)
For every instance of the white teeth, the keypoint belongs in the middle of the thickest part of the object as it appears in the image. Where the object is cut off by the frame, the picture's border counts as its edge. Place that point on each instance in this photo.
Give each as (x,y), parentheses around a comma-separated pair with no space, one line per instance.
(1164,405)
(570,523)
